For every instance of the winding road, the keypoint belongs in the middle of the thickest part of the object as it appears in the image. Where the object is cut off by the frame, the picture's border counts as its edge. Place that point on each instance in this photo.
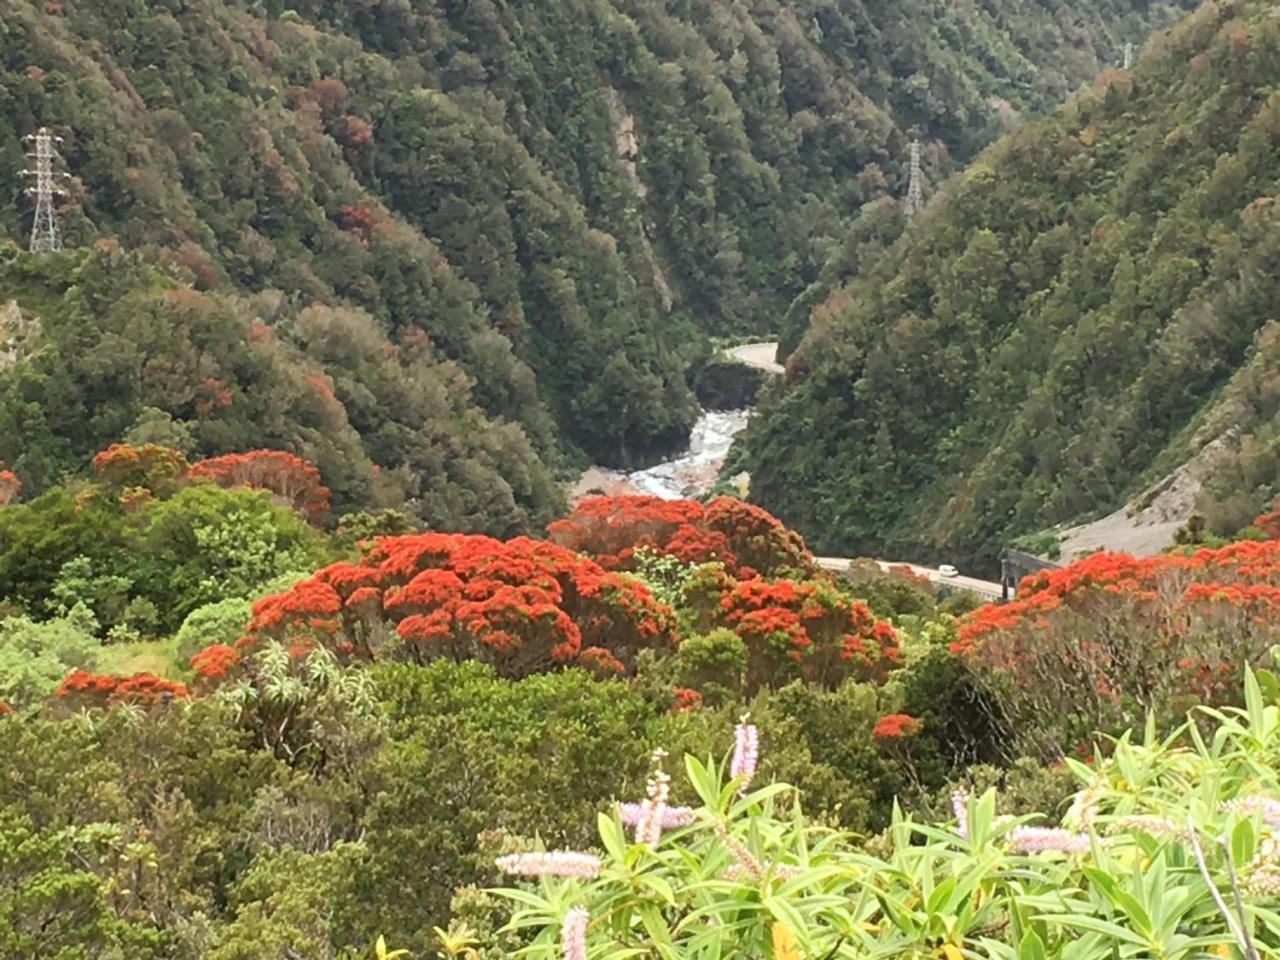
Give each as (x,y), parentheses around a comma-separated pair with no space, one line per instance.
(762,357)
(758,355)
(986,589)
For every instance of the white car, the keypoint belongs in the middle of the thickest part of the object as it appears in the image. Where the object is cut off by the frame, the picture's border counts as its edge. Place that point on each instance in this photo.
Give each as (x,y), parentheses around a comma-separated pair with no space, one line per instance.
(947,570)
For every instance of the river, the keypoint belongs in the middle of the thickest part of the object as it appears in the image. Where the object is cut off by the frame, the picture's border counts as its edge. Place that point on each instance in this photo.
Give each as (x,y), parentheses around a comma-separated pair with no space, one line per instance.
(691,474)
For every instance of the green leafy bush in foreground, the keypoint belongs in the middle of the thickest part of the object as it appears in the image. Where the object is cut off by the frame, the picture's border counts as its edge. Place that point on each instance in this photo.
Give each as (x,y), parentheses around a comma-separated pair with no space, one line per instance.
(1171,849)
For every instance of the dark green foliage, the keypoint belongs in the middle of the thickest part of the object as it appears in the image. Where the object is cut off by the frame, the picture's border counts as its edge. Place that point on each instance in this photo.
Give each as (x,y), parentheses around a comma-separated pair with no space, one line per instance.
(110,342)
(467,171)
(722,383)
(1052,321)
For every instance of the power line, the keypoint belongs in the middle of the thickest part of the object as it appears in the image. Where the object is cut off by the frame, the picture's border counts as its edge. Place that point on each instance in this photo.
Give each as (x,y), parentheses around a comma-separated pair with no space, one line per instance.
(45,235)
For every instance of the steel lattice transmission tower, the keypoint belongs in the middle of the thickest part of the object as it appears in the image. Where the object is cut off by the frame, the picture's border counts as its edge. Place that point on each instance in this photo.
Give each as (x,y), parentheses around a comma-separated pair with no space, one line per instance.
(915,188)
(45,236)
(1128,55)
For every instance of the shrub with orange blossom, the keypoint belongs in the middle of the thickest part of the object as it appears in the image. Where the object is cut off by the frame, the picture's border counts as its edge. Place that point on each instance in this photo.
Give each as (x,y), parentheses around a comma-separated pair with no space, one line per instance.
(1099,644)
(807,629)
(294,482)
(521,605)
(81,690)
(123,466)
(10,486)
(745,538)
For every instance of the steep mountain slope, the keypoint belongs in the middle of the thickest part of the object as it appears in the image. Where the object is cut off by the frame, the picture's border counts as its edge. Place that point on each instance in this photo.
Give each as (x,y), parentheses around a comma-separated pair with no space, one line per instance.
(1045,334)
(563,196)
(100,343)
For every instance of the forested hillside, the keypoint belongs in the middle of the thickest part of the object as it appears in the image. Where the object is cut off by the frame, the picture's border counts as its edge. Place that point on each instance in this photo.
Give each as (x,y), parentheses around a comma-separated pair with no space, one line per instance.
(1062,320)
(564,198)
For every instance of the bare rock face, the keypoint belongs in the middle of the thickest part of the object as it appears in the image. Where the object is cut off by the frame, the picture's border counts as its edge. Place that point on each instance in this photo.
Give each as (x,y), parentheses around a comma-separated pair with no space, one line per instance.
(15,329)
(1147,524)
(627,144)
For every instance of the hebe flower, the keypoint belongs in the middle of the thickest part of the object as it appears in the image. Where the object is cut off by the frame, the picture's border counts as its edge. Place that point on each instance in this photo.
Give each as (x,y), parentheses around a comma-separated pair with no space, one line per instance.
(1261,877)
(960,804)
(746,752)
(1269,808)
(552,863)
(653,810)
(750,867)
(1040,839)
(672,817)
(573,934)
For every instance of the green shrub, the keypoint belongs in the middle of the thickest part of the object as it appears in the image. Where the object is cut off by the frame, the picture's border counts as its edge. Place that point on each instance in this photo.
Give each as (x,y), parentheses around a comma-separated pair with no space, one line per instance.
(220,622)
(714,664)
(1169,849)
(34,657)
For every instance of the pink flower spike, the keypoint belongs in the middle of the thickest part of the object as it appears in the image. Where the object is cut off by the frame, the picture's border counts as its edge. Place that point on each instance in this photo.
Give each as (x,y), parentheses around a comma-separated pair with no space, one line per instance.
(960,804)
(746,751)
(1040,839)
(573,934)
(672,817)
(553,863)
(1269,808)
(654,810)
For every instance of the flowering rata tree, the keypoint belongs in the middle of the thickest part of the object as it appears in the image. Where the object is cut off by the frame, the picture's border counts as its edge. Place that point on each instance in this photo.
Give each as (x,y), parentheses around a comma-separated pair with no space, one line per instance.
(806,629)
(521,605)
(747,540)
(82,690)
(1099,644)
(294,482)
(10,486)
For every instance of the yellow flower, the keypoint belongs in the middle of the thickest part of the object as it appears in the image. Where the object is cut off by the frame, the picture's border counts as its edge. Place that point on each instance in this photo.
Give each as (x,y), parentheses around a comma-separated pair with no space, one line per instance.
(784,943)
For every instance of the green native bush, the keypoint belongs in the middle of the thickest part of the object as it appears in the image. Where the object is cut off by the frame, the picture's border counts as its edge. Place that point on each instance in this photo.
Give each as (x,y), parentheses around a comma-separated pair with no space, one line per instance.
(1170,848)
(34,657)
(220,622)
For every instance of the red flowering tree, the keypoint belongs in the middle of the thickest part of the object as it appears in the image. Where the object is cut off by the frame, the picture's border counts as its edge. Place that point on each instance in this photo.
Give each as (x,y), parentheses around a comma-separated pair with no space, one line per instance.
(1269,522)
(746,539)
(82,690)
(810,630)
(1099,644)
(522,605)
(292,481)
(10,486)
(150,467)
(896,726)
(215,663)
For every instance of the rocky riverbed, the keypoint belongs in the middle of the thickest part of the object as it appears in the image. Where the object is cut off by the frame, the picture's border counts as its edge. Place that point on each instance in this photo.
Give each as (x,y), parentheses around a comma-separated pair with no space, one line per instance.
(691,474)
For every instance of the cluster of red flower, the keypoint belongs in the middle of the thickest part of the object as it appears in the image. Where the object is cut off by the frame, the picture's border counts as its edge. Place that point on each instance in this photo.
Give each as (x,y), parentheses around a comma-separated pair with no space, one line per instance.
(747,540)
(1110,636)
(150,466)
(81,690)
(896,726)
(216,662)
(523,605)
(293,481)
(811,624)
(10,486)
(136,470)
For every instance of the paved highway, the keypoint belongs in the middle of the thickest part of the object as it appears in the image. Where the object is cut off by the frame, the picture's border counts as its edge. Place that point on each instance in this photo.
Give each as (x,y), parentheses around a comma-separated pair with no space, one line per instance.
(758,355)
(986,589)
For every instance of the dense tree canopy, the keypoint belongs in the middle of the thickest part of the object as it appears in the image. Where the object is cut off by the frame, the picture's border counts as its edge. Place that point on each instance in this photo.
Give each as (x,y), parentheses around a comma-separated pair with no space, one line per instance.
(562,199)
(1053,327)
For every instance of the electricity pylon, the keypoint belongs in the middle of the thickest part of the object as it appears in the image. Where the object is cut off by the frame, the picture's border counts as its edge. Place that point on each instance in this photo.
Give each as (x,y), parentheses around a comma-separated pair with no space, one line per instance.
(45,236)
(1128,55)
(915,188)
